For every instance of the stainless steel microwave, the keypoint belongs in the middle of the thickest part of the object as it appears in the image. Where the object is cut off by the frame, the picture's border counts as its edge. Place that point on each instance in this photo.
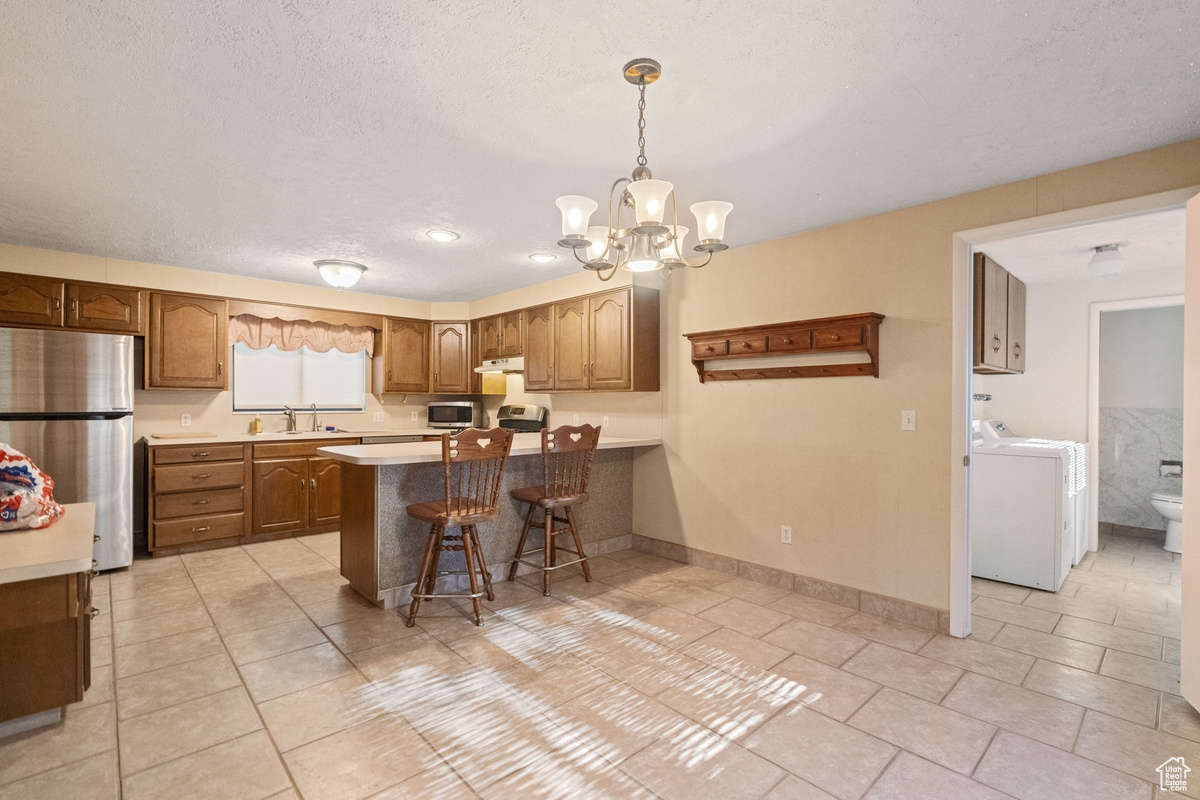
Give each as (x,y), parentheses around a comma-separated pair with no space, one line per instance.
(455,414)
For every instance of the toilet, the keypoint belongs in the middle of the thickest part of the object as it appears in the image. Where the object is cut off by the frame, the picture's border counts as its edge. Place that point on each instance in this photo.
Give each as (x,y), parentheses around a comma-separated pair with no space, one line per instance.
(1170,505)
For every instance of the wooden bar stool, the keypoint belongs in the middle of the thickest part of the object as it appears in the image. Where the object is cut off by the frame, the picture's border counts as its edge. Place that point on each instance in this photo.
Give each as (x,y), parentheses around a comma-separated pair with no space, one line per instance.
(566,462)
(472,466)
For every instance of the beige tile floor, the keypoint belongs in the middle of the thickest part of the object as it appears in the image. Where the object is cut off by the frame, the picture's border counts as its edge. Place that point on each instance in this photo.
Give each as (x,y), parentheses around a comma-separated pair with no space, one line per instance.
(254,672)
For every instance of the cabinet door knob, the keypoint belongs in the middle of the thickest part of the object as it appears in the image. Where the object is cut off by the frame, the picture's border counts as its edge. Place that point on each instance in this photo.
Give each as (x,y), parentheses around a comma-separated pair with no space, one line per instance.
(95,612)
(200,455)
(198,530)
(220,368)
(708,348)
(57,304)
(995,343)
(1017,349)
(199,502)
(313,483)
(95,538)
(200,477)
(746,345)
(787,340)
(75,309)
(836,338)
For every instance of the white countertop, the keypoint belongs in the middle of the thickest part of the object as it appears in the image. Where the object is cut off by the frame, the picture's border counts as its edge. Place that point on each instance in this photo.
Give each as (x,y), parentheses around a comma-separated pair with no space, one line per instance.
(524,444)
(279,436)
(63,548)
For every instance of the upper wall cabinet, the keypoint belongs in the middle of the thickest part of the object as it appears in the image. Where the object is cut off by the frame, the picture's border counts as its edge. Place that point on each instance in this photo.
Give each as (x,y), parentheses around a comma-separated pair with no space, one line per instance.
(999,319)
(489,338)
(500,336)
(606,342)
(539,348)
(451,351)
(188,342)
(33,301)
(104,308)
(511,341)
(406,356)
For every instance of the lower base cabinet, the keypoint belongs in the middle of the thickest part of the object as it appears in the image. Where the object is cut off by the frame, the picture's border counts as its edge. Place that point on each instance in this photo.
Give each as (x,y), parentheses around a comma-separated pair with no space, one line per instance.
(45,643)
(221,495)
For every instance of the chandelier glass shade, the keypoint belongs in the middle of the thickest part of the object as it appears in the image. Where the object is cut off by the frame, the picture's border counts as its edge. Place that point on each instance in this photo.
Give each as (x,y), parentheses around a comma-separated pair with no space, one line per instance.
(643,231)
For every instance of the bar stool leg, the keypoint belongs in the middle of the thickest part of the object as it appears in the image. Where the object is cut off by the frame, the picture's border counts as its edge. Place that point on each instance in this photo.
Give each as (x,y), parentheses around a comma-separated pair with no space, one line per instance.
(483,567)
(587,572)
(512,571)
(469,557)
(422,577)
(548,551)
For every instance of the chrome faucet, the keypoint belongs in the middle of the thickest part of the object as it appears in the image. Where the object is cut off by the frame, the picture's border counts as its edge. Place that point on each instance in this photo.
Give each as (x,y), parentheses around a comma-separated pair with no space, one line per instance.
(291,415)
(314,412)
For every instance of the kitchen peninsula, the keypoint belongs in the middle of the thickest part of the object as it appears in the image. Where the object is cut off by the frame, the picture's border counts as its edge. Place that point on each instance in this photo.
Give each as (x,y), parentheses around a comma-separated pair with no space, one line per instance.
(382,545)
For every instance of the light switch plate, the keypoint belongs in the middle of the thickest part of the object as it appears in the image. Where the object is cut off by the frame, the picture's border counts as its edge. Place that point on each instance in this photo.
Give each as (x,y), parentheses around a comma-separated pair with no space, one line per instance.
(414,416)
(604,424)
(576,420)
(908,420)
(377,416)
(185,420)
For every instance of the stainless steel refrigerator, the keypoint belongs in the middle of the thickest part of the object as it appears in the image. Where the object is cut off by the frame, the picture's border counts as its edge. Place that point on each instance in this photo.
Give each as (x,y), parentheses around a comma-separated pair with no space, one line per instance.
(66,401)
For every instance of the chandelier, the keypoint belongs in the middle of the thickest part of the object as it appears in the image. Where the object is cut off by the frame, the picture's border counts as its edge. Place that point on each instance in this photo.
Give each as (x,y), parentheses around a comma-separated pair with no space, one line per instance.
(649,242)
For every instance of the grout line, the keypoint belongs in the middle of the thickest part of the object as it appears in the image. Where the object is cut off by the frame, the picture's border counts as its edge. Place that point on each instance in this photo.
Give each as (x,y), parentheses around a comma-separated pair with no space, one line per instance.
(983,752)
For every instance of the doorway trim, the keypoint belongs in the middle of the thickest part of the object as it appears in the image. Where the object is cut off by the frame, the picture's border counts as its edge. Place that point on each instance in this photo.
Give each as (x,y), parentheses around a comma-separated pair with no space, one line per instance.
(1093,464)
(962,285)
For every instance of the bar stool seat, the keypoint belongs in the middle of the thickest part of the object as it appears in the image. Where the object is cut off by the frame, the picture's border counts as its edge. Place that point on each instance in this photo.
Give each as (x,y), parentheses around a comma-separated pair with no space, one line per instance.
(473,461)
(567,453)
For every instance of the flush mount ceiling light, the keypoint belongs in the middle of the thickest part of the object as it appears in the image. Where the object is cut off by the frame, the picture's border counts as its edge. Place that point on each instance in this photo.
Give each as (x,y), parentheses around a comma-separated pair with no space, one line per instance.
(1106,261)
(442,236)
(543,258)
(648,243)
(341,274)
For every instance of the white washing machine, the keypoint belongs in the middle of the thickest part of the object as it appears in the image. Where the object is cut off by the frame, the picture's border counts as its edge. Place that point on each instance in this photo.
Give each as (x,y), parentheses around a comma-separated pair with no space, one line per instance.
(1028,507)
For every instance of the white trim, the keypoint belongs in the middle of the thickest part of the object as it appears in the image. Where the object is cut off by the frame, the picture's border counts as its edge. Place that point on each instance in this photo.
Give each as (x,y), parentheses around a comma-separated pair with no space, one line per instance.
(1093,461)
(962,377)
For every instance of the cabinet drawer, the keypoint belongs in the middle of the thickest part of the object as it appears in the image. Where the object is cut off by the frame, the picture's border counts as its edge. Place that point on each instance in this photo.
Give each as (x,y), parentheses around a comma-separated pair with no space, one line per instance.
(710,348)
(187,504)
(197,452)
(743,345)
(197,529)
(190,477)
(302,449)
(789,342)
(838,338)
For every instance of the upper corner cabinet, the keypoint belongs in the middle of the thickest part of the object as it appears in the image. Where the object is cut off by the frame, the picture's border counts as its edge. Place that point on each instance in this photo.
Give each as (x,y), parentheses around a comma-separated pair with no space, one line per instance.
(188,343)
(999,319)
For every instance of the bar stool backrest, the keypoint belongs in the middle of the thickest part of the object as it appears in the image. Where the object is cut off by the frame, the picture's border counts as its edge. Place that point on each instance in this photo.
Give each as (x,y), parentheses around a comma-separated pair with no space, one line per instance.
(567,459)
(473,465)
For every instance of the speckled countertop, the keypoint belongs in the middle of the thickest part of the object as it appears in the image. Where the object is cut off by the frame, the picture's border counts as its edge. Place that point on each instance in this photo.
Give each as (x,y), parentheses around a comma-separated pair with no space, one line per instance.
(524,444)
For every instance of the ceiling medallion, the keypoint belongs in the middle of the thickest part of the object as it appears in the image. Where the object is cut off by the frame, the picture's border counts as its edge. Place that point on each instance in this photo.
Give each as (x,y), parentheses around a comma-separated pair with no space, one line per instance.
(648,244)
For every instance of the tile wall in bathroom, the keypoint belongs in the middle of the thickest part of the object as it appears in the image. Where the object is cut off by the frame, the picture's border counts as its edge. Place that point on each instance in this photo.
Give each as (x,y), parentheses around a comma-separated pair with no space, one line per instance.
(1132,442)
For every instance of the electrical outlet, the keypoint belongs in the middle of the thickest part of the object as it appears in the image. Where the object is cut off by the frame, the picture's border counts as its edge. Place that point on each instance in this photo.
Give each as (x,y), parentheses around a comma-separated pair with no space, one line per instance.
(604,424)
(908,420)
(785,534)
(576,420)
(377,416)
(414,416)
(185,420)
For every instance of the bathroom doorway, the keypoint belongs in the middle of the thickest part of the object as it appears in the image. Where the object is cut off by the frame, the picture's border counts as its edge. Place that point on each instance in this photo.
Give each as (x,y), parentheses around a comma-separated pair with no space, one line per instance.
(1135,411)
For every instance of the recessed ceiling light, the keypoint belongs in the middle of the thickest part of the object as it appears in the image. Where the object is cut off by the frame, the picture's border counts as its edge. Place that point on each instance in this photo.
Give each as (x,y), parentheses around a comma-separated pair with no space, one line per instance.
(543,258)
(442,236)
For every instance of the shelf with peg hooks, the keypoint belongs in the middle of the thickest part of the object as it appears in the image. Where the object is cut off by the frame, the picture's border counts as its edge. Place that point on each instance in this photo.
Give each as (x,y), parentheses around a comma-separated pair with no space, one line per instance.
(853,333)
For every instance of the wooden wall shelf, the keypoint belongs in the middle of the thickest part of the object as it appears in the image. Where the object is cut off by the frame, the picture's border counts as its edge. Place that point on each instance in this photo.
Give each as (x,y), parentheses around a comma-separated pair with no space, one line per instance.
(854,333)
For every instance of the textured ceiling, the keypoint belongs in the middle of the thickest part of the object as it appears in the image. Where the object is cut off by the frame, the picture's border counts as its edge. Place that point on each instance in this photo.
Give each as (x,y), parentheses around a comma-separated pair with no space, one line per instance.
(254,136)
(1148,241)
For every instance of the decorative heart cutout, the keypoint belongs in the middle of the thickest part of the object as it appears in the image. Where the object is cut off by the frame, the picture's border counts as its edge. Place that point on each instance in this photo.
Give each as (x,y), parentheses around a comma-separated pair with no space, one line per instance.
(575,437)
(483,442)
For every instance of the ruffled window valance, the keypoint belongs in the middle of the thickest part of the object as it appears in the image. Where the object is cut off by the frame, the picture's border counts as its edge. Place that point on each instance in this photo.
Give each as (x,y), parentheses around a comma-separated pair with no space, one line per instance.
(321,337)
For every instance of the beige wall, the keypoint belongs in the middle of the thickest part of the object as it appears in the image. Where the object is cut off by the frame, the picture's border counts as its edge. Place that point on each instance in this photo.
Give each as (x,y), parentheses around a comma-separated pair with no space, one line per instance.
(1189,677)
(868,503)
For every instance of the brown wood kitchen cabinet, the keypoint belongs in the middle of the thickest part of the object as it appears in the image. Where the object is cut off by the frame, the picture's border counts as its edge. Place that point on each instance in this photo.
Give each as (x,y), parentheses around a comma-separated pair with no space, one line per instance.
(451,356)
(188,344)
(197,494)
(489,338)
(295,490)
(605,342)
(539,348)
(406,356)
(500,336)
(999,319)
(32,301)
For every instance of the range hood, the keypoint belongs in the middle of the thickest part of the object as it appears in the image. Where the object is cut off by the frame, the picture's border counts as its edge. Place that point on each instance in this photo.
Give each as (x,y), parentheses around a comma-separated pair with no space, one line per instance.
(502,366)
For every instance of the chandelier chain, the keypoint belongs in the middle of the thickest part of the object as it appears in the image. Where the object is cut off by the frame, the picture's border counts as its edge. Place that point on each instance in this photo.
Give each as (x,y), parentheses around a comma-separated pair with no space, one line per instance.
(641,159)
